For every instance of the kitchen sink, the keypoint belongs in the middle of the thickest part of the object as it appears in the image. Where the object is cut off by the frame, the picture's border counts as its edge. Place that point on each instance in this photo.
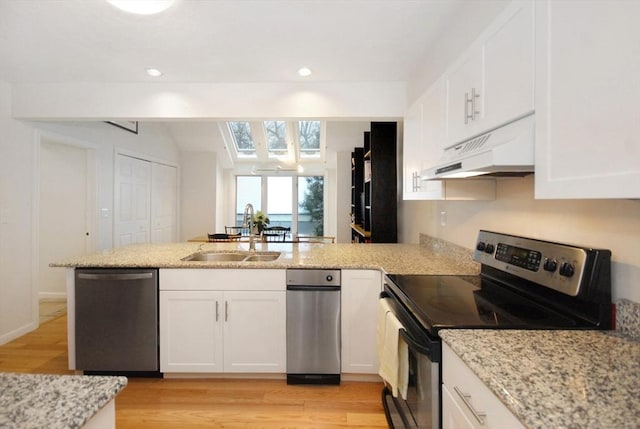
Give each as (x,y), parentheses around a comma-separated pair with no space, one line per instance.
(263,257)
(232,256)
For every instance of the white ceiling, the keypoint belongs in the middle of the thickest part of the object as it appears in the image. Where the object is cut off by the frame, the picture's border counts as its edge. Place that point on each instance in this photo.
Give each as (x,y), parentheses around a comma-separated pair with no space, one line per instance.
(52,41)
(218,40)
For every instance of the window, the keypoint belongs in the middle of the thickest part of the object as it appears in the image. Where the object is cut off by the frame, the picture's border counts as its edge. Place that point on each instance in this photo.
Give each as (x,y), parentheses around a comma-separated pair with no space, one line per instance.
(311,205)
(248,190)
(275,140)
(276,132)
(242,139)
(280,200)
(301,209)
(309,137)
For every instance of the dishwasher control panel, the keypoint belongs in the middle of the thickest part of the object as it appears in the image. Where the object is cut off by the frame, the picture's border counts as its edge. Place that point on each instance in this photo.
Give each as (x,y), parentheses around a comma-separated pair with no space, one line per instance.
(313,277)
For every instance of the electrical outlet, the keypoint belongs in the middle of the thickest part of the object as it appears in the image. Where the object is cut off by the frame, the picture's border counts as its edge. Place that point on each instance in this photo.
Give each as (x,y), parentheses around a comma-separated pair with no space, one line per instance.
(443,218)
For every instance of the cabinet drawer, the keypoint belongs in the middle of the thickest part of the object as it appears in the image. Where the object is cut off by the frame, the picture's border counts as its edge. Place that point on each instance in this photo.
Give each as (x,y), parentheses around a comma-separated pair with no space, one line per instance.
(458,377)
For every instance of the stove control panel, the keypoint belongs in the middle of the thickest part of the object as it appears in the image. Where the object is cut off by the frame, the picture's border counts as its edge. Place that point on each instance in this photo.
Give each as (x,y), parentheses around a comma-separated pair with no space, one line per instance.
(554,265)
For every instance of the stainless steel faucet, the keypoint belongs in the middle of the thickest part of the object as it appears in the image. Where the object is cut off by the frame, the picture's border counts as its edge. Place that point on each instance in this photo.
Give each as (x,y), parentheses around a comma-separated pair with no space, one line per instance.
(247,222)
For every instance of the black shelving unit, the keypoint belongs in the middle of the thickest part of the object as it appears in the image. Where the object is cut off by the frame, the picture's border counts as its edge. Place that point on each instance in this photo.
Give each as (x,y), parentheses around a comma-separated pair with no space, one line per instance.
(377,199)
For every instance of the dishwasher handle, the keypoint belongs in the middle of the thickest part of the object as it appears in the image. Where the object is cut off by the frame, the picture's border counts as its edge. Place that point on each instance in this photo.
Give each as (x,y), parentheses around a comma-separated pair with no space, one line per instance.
(313,288)
(120,276)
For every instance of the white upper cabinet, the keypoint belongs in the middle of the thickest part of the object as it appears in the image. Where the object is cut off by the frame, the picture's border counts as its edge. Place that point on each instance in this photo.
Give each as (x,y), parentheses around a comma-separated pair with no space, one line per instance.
(509,66)
(465,94)
(424,131)
(587,99)
(493,81)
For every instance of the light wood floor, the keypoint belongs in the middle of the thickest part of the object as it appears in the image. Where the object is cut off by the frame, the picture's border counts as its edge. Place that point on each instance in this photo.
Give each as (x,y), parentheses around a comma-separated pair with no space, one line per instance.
(211,403)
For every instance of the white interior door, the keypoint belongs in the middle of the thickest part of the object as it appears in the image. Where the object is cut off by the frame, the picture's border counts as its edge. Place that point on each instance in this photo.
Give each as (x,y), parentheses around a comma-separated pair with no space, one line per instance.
(164,195)
(132,201)
(64,220)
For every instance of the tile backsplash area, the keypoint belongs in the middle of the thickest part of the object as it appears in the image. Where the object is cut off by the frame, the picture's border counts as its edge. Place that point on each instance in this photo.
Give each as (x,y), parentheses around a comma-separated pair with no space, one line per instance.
(628,318)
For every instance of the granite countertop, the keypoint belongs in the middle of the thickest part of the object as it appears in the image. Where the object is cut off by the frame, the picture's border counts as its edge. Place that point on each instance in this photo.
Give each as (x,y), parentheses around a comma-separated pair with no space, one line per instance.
(557,379)
(430,257)
(54,401)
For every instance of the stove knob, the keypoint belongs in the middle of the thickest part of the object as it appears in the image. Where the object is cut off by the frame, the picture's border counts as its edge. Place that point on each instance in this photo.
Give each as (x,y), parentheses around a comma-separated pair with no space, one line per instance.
(550,265)
(489,248)
(480,246)
(566,269)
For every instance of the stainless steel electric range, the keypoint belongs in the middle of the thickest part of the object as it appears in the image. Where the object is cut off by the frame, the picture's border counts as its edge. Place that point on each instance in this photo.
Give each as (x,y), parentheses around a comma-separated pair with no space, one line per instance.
(524,283)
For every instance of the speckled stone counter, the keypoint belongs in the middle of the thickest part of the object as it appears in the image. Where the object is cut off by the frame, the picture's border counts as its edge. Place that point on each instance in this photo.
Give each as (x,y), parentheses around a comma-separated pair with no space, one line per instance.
(557,379)
(392,258)
(53,401)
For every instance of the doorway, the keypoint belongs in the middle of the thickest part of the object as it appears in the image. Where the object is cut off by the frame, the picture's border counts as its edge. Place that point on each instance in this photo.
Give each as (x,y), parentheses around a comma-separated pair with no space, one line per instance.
(65,211)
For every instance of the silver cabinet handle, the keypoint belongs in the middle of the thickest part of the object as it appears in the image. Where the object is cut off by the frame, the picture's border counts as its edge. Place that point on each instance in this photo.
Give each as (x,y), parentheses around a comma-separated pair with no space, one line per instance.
(416,181)
(479,415)
(474,96)
(216,311)
(226,311)
(466,108)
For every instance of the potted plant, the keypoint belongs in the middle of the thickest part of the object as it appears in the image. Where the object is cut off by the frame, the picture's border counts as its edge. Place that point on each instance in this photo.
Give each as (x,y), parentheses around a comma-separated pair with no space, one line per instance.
(260,220)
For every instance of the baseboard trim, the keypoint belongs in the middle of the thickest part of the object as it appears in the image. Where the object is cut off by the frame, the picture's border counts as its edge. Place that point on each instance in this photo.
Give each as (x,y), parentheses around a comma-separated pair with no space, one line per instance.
(16,333)
(58,296)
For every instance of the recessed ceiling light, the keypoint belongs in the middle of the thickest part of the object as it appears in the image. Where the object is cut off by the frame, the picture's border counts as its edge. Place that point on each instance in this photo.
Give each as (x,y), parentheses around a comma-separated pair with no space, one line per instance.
(154,72)
(304,71)
(142,7)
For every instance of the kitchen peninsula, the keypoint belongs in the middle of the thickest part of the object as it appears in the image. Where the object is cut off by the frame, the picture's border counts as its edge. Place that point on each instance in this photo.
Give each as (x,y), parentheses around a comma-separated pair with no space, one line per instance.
(196,335)
(430,257)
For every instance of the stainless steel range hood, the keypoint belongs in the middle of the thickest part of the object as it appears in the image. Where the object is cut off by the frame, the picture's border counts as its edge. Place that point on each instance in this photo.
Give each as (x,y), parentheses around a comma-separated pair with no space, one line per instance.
(504,151)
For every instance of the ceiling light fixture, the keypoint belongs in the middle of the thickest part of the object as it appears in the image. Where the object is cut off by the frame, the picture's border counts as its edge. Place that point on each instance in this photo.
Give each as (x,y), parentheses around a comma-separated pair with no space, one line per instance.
(304,71)
(142,7)
(154,72)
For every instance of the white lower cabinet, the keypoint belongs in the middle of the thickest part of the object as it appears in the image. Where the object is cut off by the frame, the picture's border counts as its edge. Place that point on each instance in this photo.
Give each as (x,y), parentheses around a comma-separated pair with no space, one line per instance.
(228,330)
(191,331)
(466,402)
(360,293)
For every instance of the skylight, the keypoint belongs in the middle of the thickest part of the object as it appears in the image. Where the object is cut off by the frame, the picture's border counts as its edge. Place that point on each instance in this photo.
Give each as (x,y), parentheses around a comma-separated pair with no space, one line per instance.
(309,136)
(276,132)
(275,143)
(242,139)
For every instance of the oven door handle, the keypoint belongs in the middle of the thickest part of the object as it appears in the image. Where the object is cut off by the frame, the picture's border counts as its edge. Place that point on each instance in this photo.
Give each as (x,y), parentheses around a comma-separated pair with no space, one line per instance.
(413,344)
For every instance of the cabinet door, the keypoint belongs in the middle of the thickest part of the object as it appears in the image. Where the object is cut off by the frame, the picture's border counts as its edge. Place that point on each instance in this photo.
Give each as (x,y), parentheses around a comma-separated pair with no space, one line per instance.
(422,143)
(191,331)
(452,415)
(360,293)
(412,144)
(255,331)
(465,92)
(587,92)
(456,375)
(509,66)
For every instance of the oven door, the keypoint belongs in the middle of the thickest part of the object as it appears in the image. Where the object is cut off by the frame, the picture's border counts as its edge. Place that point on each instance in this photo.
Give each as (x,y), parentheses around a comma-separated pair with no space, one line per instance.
(421,409)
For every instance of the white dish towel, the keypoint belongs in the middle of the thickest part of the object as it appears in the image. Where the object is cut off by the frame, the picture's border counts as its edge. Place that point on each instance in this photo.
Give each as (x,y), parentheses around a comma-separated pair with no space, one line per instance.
(392,351)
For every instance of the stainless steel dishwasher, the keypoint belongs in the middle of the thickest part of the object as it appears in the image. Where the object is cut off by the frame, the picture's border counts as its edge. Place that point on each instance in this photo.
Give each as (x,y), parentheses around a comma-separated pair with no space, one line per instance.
(117,321)
(313,326)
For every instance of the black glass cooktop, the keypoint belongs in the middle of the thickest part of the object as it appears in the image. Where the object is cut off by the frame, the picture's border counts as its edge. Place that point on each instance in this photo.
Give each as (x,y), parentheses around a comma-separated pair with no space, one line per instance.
(441,302)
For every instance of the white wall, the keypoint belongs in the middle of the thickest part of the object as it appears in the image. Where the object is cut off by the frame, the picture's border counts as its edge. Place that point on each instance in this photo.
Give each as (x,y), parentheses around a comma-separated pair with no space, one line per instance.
(96,101)
(198,196)
(18,144)
(18,309)
(152,143)
(608,224)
